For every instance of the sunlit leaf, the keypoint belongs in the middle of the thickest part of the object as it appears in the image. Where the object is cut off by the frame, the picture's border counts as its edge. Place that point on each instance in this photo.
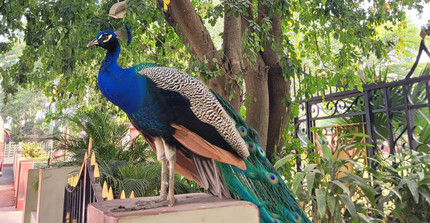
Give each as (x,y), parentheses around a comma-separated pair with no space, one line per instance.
(321,201)
(346,200)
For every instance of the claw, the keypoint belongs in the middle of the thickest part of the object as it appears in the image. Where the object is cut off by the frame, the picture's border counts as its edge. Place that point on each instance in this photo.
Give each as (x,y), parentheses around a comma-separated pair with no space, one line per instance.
(172,201)
(163,197)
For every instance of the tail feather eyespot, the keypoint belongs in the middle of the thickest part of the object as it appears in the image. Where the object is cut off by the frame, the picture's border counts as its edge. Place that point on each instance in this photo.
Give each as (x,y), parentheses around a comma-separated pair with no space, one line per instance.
(272,178)
(275,220)
(243,131)
(261,151)
(252,147)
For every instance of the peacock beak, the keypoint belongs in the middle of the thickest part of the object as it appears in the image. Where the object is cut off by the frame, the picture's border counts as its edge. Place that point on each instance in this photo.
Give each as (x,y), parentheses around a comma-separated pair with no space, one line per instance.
(93,42)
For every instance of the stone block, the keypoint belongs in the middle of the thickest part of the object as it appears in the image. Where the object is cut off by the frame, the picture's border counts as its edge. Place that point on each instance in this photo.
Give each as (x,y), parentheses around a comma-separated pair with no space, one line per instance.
(190,208)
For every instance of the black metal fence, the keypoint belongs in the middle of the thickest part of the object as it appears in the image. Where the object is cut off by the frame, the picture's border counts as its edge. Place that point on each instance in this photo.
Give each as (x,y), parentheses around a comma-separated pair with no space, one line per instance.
(396,114)
(82,189)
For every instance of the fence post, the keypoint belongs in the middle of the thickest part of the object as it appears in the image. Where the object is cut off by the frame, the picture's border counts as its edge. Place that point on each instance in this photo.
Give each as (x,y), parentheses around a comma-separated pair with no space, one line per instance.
(387,108)
(370,126)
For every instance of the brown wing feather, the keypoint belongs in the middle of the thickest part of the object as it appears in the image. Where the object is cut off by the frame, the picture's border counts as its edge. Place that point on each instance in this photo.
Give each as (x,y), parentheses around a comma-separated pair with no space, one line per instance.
(199,146)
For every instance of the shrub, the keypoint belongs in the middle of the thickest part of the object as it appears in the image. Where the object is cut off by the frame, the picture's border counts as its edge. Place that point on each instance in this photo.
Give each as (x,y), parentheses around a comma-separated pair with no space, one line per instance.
(31,150)
(404,182)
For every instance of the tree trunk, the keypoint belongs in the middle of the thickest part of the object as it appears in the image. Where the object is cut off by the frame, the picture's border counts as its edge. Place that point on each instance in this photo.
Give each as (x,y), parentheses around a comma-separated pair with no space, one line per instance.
(278,86)
(182,13)
(232,48)
(264,82)
(257,89)
(257,92)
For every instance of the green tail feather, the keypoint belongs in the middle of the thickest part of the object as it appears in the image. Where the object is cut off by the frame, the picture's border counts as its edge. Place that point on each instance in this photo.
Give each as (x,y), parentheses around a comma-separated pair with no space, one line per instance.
(260,183)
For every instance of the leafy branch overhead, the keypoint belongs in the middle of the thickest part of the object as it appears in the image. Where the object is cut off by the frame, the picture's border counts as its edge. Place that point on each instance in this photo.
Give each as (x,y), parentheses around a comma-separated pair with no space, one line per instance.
(247,50)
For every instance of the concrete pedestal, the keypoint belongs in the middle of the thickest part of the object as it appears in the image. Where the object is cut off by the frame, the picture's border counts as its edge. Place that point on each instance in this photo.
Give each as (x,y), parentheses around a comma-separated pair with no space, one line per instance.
(190,208)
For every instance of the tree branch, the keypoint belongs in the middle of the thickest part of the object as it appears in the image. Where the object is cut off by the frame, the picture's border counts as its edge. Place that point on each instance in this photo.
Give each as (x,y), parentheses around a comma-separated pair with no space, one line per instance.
(182,13)
(319,54)
(171,18)
(184,19)
(163,43)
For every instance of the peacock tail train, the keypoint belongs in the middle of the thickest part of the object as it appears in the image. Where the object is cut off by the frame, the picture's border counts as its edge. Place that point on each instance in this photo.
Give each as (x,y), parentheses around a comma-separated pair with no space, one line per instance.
(259,183)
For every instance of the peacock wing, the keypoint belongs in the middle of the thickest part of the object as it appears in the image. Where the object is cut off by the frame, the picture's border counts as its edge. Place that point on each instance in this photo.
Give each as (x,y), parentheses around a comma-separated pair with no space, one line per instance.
(203,104)
(201,147)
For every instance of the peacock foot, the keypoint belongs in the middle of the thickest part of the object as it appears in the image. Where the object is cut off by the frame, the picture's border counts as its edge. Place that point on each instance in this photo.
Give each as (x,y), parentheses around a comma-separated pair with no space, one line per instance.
(172,201)
(163,197)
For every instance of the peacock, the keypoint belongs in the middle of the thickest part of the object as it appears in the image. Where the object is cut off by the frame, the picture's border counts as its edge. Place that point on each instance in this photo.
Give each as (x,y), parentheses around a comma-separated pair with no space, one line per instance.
(195,132)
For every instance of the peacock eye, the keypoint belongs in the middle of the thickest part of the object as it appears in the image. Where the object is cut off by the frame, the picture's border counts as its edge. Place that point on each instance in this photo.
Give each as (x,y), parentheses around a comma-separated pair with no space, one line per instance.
(106,37)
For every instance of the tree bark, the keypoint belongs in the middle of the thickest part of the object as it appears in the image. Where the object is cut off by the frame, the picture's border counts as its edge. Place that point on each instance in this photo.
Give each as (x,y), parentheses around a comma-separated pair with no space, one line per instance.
(232,49)
(257,90)
(182,13)
(265,85)
(278,86)
(171,18)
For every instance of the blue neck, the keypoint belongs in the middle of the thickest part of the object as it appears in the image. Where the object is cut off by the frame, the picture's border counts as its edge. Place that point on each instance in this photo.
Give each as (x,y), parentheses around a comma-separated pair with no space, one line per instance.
(121,86)
(112,57)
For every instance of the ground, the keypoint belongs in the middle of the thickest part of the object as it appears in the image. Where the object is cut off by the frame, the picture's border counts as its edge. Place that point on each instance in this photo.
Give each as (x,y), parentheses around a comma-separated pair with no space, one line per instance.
(8,213)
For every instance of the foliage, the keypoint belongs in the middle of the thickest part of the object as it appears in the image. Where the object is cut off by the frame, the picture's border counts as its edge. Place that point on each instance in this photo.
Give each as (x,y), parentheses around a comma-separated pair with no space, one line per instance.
(31,149)
(402,52)
(124,165)
(334,45)
(404,180)
(143,178)
(334,189)
(107,136)
(398,190)
(416,95)
(25,114)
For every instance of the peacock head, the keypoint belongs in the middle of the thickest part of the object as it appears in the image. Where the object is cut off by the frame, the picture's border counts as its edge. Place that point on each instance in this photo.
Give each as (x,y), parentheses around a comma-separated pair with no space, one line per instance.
(109,40)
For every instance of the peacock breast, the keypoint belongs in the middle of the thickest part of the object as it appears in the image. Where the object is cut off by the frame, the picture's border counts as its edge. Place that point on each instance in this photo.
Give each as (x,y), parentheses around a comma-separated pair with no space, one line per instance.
(123,88)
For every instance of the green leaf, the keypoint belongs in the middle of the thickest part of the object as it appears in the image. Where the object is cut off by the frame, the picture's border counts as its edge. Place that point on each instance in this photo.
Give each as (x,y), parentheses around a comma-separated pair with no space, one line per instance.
(309,167)
(360,87)
(394,191)
(302,195)
(327,153)
(426,196)
(297,179)
(425,181)
(363,217)
(421,175)
(331,203)
(283,161)
(343,186)
(357,134)
(349,205)
(310,178)
(412,185)
(321,202)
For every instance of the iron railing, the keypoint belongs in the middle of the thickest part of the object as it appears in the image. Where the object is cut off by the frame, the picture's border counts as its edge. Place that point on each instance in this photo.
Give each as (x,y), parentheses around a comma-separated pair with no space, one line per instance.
(396,114)
(82,189)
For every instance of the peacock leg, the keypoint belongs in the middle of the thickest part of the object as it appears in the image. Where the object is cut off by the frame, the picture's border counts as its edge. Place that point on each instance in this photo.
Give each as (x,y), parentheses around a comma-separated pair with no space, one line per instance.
(170,152)
(161,156)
